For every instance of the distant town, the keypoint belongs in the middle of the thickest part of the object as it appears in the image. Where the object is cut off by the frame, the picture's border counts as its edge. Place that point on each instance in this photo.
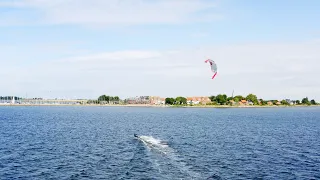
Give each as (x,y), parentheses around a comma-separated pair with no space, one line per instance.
(219,100)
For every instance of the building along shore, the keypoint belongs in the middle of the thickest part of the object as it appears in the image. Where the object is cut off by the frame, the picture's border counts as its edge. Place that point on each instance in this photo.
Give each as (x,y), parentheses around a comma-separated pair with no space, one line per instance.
(163,106)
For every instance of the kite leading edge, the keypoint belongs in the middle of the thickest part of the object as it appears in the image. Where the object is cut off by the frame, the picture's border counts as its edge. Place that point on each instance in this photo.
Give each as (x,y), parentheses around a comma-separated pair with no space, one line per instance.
(213,66)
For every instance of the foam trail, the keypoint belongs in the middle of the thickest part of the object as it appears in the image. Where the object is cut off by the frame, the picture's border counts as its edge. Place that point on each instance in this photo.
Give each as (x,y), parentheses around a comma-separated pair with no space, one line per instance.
(162,147)
(153,143)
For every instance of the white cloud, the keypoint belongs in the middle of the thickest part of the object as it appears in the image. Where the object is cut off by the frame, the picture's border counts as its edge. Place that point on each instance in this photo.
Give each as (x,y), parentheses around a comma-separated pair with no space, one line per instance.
(269,70)
(113,12)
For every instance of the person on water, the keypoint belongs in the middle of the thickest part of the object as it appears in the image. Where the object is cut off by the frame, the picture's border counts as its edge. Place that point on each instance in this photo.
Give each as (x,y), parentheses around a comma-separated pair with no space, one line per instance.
(135,135)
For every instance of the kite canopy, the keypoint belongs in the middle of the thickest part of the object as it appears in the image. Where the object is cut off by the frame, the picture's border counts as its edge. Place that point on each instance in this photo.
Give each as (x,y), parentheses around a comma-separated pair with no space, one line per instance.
(213,66)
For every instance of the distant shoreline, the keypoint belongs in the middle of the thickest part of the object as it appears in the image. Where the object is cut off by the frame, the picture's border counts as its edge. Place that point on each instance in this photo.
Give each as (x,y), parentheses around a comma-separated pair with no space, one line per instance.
(163,106)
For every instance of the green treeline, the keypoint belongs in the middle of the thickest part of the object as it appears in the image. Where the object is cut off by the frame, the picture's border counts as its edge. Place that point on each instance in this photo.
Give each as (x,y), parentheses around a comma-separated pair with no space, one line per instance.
(251,99)
(178,100)
(104,99)
(220,99)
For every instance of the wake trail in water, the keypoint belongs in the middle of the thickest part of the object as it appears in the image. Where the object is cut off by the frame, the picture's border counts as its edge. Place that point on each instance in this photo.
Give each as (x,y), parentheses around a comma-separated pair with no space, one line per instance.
(158,145)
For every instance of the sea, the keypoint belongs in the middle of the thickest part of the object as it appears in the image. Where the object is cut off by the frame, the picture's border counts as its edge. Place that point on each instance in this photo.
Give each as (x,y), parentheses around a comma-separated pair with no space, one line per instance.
(79,142)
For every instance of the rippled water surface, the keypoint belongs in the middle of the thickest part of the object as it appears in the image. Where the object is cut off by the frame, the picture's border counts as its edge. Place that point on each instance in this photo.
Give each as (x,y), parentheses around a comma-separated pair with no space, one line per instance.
(176,143)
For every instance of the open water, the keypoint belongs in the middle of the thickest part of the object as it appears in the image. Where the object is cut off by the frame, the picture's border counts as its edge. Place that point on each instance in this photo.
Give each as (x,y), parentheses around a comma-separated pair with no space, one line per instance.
(176,143)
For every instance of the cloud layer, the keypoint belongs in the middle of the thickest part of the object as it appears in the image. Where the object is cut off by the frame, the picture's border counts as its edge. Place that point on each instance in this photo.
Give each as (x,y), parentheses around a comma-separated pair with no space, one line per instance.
(271,71)
(107,13)
(44,62)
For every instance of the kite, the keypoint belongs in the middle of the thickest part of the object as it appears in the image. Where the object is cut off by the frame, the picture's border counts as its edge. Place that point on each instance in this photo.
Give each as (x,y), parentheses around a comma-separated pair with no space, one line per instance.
(213,66)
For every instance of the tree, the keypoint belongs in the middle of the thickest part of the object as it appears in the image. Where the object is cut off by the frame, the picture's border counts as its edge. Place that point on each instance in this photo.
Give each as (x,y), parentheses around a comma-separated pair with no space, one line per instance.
(297,102)
(177,100)
(313,102)
(212,98)
(221,98)
(236,99)
(305,100)
(113,99)
(253,98)
(274,102)
(181,100)
(169,101)
(102,98)
(239,97)
(263,102)
(108,98)
(116,98)
(225,96)
(284,102)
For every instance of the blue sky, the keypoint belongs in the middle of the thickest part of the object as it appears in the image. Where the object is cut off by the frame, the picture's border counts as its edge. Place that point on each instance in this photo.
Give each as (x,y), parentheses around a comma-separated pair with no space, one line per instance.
(82,49)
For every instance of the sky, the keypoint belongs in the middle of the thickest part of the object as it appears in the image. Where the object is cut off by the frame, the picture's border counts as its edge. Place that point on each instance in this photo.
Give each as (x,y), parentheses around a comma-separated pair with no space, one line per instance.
(83,49)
